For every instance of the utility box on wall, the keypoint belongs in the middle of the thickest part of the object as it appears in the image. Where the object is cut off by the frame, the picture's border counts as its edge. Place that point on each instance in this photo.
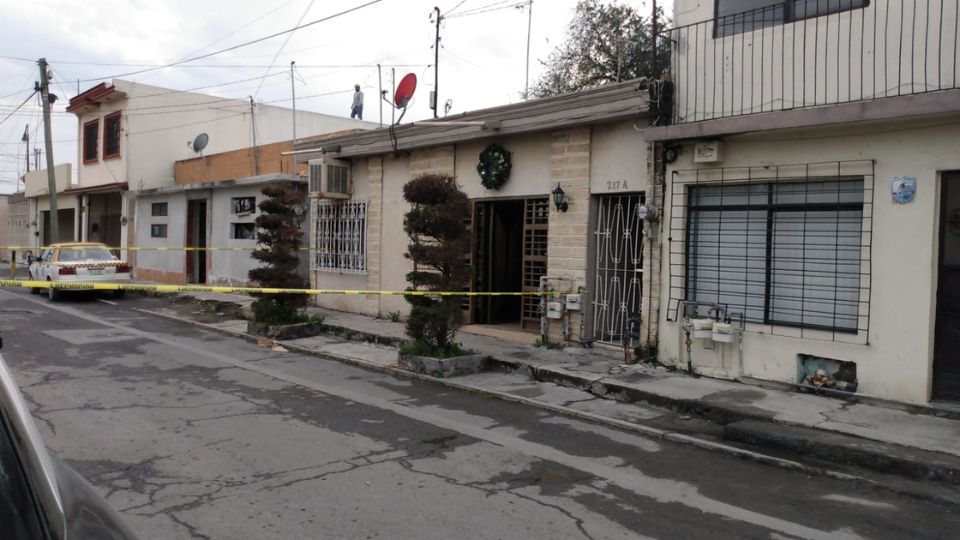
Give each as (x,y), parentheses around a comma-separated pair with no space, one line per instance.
(707,152)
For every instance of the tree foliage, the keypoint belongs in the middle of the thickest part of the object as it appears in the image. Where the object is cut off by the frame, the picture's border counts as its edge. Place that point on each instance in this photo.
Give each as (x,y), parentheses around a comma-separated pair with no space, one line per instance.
(280,236)
(439,243)
(606,42)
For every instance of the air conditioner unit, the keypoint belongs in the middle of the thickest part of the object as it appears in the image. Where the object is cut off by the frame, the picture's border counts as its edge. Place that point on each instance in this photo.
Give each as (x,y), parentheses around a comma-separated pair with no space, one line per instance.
(330,178)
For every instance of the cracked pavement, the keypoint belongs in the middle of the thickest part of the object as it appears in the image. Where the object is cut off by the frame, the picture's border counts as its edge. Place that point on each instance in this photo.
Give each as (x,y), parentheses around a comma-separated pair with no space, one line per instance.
(191,434)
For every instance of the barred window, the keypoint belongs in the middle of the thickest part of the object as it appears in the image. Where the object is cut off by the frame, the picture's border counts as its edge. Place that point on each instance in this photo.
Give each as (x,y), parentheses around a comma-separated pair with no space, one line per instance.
(341,236)
(780,253)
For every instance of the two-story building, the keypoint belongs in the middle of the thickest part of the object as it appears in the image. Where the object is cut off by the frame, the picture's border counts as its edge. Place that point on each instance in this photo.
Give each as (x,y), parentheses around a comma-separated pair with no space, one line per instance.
(813,193)
(130,137)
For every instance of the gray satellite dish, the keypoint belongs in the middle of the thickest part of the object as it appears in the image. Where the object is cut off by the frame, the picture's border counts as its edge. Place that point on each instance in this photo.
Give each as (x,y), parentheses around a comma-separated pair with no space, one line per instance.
(200,142)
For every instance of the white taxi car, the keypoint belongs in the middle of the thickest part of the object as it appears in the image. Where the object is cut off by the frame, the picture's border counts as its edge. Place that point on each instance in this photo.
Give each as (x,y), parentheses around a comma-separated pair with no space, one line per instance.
(79,262)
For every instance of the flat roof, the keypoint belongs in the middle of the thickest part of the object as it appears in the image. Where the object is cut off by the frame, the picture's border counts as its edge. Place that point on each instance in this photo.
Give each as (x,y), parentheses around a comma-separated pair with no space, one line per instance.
(607,103)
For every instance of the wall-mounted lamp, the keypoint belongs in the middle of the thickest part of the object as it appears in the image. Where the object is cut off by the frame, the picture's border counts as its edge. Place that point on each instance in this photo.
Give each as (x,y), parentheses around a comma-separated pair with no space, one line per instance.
(560,198)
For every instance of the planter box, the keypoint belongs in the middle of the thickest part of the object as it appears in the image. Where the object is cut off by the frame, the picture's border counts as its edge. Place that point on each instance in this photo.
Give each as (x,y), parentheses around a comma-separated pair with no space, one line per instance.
(285,331)
(444,367)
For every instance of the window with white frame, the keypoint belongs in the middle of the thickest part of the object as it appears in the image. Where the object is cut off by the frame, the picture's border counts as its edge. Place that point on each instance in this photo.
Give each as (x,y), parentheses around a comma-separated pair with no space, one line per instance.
(341,236)
(783,253)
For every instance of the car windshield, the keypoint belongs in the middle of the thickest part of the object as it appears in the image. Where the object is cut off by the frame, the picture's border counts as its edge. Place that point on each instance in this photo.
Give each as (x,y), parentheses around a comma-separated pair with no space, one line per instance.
(86,253)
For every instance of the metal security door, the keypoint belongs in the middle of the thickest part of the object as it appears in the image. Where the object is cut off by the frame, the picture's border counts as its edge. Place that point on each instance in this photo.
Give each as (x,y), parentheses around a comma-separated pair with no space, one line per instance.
(536,214)
(946,361)
(618,247)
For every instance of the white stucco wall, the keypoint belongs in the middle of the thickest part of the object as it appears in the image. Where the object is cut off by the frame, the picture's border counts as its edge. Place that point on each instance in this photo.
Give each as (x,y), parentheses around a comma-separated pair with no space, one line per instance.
(888,48)
(157,123)
(894,359)
(176,221)
(618,159)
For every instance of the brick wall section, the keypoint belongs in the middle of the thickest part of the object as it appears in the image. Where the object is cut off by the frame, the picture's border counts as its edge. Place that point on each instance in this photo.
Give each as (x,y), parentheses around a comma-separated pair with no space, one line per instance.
(374,232)
(568,232)
(439,159)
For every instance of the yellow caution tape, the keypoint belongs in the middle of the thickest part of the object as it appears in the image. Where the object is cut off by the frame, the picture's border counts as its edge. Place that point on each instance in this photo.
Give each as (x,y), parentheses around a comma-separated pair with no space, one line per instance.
(142,248)
(145,287)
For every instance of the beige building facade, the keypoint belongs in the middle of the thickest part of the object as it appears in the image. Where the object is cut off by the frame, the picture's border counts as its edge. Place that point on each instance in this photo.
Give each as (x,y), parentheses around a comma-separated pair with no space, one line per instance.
(585,144)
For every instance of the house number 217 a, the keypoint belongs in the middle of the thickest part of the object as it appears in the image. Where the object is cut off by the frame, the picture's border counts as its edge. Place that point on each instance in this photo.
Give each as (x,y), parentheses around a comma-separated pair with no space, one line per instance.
(617,185)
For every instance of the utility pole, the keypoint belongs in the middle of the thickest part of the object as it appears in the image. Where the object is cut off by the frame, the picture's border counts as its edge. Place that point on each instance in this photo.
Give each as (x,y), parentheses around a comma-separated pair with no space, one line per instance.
(380,88)
(253,131)
(653,31)
(436,66)
(47,98)
(526,84)
(393,84)
(26,139)
(293,94)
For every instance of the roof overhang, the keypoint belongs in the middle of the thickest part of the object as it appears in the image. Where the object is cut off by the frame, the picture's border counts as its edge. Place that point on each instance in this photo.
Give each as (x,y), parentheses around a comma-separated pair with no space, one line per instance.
(259,180)
(91,99)
(608,103)
(102,188)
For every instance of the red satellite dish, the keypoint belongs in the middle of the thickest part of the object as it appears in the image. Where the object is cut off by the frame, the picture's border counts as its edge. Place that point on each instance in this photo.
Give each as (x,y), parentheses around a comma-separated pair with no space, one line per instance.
(405,90)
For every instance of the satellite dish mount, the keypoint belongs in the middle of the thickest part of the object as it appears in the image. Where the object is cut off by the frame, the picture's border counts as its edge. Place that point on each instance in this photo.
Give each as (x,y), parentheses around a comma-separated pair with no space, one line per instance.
(403,94)
(199,143)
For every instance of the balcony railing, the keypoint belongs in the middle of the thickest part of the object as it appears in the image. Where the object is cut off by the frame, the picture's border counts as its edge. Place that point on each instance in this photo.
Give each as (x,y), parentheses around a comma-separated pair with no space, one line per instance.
(805,53)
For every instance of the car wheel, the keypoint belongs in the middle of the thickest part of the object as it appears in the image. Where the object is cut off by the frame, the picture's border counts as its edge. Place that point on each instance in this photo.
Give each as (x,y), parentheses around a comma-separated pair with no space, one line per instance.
(53,293)
(119,293)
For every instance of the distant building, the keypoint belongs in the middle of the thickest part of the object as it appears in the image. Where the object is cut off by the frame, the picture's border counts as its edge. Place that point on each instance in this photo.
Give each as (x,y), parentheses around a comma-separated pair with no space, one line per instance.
(17,225)
(213,203)
(130,136)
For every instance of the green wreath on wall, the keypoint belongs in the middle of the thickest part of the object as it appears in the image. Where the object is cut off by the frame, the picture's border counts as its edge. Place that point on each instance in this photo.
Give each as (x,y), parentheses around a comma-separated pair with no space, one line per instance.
(494,166)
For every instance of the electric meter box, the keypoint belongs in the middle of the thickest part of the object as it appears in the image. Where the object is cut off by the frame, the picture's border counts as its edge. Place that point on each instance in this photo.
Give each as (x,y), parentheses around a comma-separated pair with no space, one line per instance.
(574,301)
(554,310)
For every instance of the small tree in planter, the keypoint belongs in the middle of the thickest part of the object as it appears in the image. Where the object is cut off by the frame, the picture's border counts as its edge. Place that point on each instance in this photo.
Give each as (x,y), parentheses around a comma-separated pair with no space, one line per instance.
(280,236)
(439,243)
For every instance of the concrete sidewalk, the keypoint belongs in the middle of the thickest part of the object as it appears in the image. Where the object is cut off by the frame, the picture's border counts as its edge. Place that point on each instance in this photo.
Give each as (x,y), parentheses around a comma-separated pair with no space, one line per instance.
(915,441)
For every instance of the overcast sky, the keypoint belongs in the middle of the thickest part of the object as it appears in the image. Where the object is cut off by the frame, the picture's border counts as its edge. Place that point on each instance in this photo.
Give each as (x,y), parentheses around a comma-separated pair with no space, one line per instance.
(482,54)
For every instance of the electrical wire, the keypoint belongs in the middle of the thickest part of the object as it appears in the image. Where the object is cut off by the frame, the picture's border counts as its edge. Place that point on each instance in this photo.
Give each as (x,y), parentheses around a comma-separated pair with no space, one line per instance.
(487,8)
(282,47)
(241,45)
(5,118)
(454,8)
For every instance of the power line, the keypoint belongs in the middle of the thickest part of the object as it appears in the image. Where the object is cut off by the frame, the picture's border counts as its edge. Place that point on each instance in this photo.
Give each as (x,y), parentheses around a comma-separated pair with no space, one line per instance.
(241,45)
(282,47)
(5,118)
(496,6)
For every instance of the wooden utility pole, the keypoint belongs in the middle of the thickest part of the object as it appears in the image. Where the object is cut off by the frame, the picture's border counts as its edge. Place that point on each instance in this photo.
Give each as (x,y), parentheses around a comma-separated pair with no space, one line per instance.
(293,96)
(653,35)
(436,65)
(526,84)
(48,142)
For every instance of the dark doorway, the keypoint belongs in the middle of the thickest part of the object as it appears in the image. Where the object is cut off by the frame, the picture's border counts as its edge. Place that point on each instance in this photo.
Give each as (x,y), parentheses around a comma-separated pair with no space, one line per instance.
(104,218)
(196,238)
(946,359)
(509,255)
(64,224)
(499,260)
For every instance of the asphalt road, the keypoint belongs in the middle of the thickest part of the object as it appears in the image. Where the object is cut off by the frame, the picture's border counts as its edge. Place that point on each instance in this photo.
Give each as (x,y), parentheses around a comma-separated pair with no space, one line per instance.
(192,434)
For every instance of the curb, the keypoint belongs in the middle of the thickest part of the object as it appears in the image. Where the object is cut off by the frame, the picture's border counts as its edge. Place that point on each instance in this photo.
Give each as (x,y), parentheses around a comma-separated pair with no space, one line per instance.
(838,447)
(655,433)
